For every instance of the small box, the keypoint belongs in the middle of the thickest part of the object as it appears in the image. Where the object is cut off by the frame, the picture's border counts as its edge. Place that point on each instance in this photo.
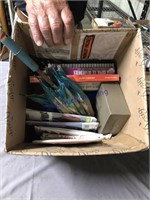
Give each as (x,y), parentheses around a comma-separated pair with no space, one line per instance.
(113,111)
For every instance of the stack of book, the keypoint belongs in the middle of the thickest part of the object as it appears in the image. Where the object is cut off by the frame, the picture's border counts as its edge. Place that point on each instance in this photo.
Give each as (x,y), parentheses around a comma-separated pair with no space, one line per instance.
(87,74)
(60,128)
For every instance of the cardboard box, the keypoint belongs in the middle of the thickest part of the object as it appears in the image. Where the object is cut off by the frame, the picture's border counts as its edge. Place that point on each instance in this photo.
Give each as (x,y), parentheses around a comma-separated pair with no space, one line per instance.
(143,21)
(95,23)
(129,57)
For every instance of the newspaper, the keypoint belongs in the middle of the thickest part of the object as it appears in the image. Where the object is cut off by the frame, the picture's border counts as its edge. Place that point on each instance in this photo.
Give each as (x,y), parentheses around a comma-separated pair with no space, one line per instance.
(74,125)
(42,129)
(35,115)
(52,135)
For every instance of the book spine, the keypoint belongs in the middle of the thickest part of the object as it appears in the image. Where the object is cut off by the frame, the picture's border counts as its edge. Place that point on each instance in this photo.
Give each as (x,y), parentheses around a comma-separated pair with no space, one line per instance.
(36,115)
(94,78)
(46,136)
(74,125)
(89,70)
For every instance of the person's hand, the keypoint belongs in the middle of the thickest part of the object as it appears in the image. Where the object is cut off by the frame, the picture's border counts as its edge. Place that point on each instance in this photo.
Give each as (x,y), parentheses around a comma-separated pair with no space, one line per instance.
(50,21)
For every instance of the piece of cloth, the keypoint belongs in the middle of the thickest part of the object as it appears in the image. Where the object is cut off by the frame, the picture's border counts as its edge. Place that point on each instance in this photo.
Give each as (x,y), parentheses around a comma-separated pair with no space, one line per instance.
(77,7)
(109,177)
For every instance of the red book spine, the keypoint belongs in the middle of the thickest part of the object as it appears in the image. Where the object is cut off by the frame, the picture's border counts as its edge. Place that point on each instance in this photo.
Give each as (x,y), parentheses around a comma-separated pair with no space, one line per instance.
(94,78)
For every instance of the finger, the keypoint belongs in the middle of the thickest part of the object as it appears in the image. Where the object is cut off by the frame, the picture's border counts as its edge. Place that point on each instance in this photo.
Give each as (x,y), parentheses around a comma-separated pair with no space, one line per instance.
(34,26)
(45,30)
(56,27)
(68,22)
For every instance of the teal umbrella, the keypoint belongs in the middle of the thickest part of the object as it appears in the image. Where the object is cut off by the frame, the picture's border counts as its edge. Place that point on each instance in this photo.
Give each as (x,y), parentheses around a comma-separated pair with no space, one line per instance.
(58,89)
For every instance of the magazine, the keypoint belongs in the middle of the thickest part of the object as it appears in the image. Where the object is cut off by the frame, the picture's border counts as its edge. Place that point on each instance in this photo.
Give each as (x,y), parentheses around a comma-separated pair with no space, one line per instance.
(64,136)
(74,125)
(42,129)
(36,115)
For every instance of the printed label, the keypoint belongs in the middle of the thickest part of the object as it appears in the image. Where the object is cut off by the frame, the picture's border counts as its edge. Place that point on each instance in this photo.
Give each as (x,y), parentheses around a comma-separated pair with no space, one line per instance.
(89,126)
(87,46)
(99,45)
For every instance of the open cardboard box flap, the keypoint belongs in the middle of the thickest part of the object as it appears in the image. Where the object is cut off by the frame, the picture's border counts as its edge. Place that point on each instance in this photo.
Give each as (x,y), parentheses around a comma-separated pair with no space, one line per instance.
(128,54)
(95,22)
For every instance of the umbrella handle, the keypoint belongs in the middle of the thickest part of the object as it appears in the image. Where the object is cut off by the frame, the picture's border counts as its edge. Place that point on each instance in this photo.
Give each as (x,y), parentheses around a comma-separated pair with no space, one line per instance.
(18,51)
